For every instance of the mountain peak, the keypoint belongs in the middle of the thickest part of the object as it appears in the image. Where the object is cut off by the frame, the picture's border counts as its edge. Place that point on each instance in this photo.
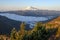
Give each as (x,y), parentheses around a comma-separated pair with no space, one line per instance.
(30,8)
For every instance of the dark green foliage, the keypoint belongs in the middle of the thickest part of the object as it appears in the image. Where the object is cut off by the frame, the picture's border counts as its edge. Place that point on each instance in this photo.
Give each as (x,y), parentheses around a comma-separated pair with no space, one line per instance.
(39,32)
(13,34)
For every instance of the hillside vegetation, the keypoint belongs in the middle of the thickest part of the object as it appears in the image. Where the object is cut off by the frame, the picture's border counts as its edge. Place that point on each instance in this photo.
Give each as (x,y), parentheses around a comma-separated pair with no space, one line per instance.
(55,24)
(47,31)
(39,32)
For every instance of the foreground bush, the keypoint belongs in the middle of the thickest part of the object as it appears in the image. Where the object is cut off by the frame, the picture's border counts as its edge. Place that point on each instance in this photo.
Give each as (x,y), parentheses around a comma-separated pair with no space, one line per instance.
(39,32)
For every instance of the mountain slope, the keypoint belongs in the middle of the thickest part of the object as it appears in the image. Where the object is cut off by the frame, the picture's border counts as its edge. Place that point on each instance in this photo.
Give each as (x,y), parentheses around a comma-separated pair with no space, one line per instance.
(54,23)
(6,25)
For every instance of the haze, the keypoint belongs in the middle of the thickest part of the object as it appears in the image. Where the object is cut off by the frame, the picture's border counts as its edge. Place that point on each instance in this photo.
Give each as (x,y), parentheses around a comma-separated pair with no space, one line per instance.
(21,4)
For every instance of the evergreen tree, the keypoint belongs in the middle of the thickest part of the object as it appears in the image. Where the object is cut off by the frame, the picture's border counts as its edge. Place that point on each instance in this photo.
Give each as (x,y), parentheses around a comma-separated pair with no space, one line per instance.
(37,25)
(39,33)
(13,34)
(22,31)
(22,28)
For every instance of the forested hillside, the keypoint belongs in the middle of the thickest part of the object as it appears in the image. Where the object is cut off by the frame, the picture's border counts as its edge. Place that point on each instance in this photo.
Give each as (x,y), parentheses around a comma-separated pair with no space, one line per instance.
(46,31)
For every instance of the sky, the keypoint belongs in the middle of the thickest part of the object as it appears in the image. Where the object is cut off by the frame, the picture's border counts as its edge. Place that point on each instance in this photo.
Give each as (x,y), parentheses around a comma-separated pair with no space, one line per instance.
(21,4)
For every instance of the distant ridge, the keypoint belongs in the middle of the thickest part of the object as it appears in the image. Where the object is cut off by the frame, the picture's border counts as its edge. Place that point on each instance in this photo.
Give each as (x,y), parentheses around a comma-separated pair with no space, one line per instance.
(33,11)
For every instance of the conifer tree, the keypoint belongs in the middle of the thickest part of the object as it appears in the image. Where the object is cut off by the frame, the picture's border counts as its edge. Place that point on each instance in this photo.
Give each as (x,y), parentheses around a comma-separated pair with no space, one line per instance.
(22,27)
(22,31)
(13,34)
(39,32)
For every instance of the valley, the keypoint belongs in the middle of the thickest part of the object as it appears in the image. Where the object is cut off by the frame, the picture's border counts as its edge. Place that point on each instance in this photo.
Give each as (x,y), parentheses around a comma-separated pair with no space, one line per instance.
(10,20)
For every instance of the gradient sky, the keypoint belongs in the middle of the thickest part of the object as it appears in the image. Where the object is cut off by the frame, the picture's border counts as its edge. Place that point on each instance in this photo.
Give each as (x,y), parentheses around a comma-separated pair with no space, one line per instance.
(18,4)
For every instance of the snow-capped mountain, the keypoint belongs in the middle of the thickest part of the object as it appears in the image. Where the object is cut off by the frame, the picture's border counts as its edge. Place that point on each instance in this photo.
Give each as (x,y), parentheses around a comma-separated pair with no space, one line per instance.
(30,8)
